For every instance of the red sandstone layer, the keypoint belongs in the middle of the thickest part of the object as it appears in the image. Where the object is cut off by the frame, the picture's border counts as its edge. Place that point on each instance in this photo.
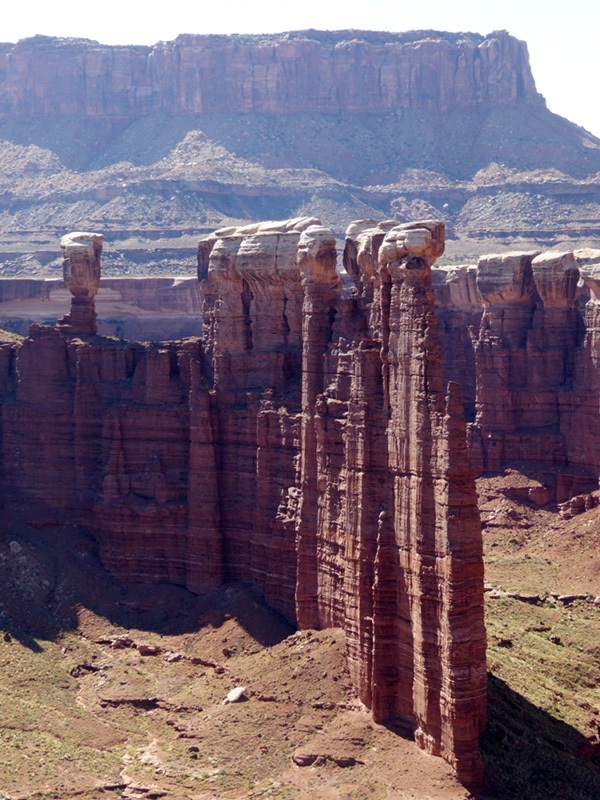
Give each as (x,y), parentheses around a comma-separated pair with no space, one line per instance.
(304,444)
(355,71)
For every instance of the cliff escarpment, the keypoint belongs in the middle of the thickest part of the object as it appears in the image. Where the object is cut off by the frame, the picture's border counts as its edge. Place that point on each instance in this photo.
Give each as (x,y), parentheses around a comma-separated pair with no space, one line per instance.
(519,331)
(354,71)
(305,443)
(321,438)
(158,145)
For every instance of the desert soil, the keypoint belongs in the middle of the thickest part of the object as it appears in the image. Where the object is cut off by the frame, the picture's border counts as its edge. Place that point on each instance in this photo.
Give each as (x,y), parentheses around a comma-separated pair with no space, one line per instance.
(118,691)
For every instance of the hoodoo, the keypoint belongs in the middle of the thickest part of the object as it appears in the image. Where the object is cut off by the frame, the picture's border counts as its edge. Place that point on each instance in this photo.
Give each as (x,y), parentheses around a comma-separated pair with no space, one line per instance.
(81,273)
(306,443)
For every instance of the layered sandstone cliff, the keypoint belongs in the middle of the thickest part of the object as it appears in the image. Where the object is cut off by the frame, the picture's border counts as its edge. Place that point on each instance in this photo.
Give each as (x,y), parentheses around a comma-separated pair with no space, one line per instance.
(306,444)
(153,145)
(519,332)
(140,309)
(355,71)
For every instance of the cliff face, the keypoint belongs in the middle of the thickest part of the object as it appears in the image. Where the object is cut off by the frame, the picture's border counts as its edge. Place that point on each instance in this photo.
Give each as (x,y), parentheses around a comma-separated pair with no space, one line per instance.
(306,444)
(414,615)
(520,333)
(354,71)
(142,309)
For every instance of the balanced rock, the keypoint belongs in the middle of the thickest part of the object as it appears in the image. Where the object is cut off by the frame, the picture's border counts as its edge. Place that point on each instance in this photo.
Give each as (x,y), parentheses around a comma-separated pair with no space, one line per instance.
(81,272)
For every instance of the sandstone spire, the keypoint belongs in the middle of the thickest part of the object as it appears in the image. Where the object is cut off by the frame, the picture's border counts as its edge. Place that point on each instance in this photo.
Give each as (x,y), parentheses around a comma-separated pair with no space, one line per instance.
(81,271)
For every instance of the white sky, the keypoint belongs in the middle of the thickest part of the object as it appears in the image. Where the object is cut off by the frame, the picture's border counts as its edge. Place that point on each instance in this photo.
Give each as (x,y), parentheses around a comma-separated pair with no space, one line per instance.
(563,37)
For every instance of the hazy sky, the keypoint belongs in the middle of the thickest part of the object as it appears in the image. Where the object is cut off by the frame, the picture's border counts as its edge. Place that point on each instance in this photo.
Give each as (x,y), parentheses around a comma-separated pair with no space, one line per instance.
(562,36)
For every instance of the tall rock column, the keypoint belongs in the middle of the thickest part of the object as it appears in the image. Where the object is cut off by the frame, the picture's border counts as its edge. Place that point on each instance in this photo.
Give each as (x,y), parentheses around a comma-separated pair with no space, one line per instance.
(414,568)
(81,271)
(317,264)
(436,521)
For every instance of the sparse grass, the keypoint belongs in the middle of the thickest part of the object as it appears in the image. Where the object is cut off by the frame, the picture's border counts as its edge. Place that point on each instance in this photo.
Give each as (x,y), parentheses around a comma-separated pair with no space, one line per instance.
(59,735)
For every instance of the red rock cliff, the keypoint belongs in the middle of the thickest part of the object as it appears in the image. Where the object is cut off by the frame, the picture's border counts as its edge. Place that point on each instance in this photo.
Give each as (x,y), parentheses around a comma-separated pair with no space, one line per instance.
(356,71)
(519,332)
(414,614)
(304,444)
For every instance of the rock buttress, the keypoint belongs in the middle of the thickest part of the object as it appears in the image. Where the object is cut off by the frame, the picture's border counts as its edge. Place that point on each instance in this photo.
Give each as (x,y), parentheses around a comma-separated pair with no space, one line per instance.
(253,334)
(530,371)
(404,550)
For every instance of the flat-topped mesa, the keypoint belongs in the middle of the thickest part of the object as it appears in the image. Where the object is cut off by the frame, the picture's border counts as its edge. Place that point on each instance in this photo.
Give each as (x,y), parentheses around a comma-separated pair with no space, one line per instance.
(284,73)
(81,253)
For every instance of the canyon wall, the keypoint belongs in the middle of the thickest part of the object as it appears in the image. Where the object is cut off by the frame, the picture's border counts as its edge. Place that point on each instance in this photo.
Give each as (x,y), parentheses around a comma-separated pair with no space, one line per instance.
(354,71)
(306,443)
(519,333)
(141,309)
(314,439)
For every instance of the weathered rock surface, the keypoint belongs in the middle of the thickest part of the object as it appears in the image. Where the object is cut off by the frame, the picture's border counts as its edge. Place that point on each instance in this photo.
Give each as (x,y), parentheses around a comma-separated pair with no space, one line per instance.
(141,309)
(158,145)
(306,444)
(458,309)
(531,365)
(409,492)
(280,73)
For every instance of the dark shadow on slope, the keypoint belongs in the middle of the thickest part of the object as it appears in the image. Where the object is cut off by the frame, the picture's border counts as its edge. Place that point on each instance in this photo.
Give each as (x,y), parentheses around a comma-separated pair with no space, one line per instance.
(47,576)
(366,148)
(530,755)
(75,140)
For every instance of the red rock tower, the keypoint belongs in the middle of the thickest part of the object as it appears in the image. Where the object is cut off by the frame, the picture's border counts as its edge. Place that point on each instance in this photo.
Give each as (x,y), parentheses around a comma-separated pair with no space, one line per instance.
(81,272)
(414,565)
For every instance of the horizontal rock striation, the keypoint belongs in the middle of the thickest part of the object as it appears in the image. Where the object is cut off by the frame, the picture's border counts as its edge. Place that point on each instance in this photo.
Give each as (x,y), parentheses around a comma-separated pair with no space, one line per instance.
(355,71)
(458,309)
(411,517)
(143,309)
(519,332)
(305,443)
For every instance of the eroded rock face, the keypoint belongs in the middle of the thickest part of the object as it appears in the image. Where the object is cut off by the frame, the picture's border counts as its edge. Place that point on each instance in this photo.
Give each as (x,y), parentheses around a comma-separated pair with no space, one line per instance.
(458,309)
(278,73)
(406,469)
(531,366)
(525,361)
(304,444)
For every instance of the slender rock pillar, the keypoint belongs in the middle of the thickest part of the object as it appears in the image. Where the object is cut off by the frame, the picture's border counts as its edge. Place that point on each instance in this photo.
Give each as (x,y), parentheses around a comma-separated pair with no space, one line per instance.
(81,272)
